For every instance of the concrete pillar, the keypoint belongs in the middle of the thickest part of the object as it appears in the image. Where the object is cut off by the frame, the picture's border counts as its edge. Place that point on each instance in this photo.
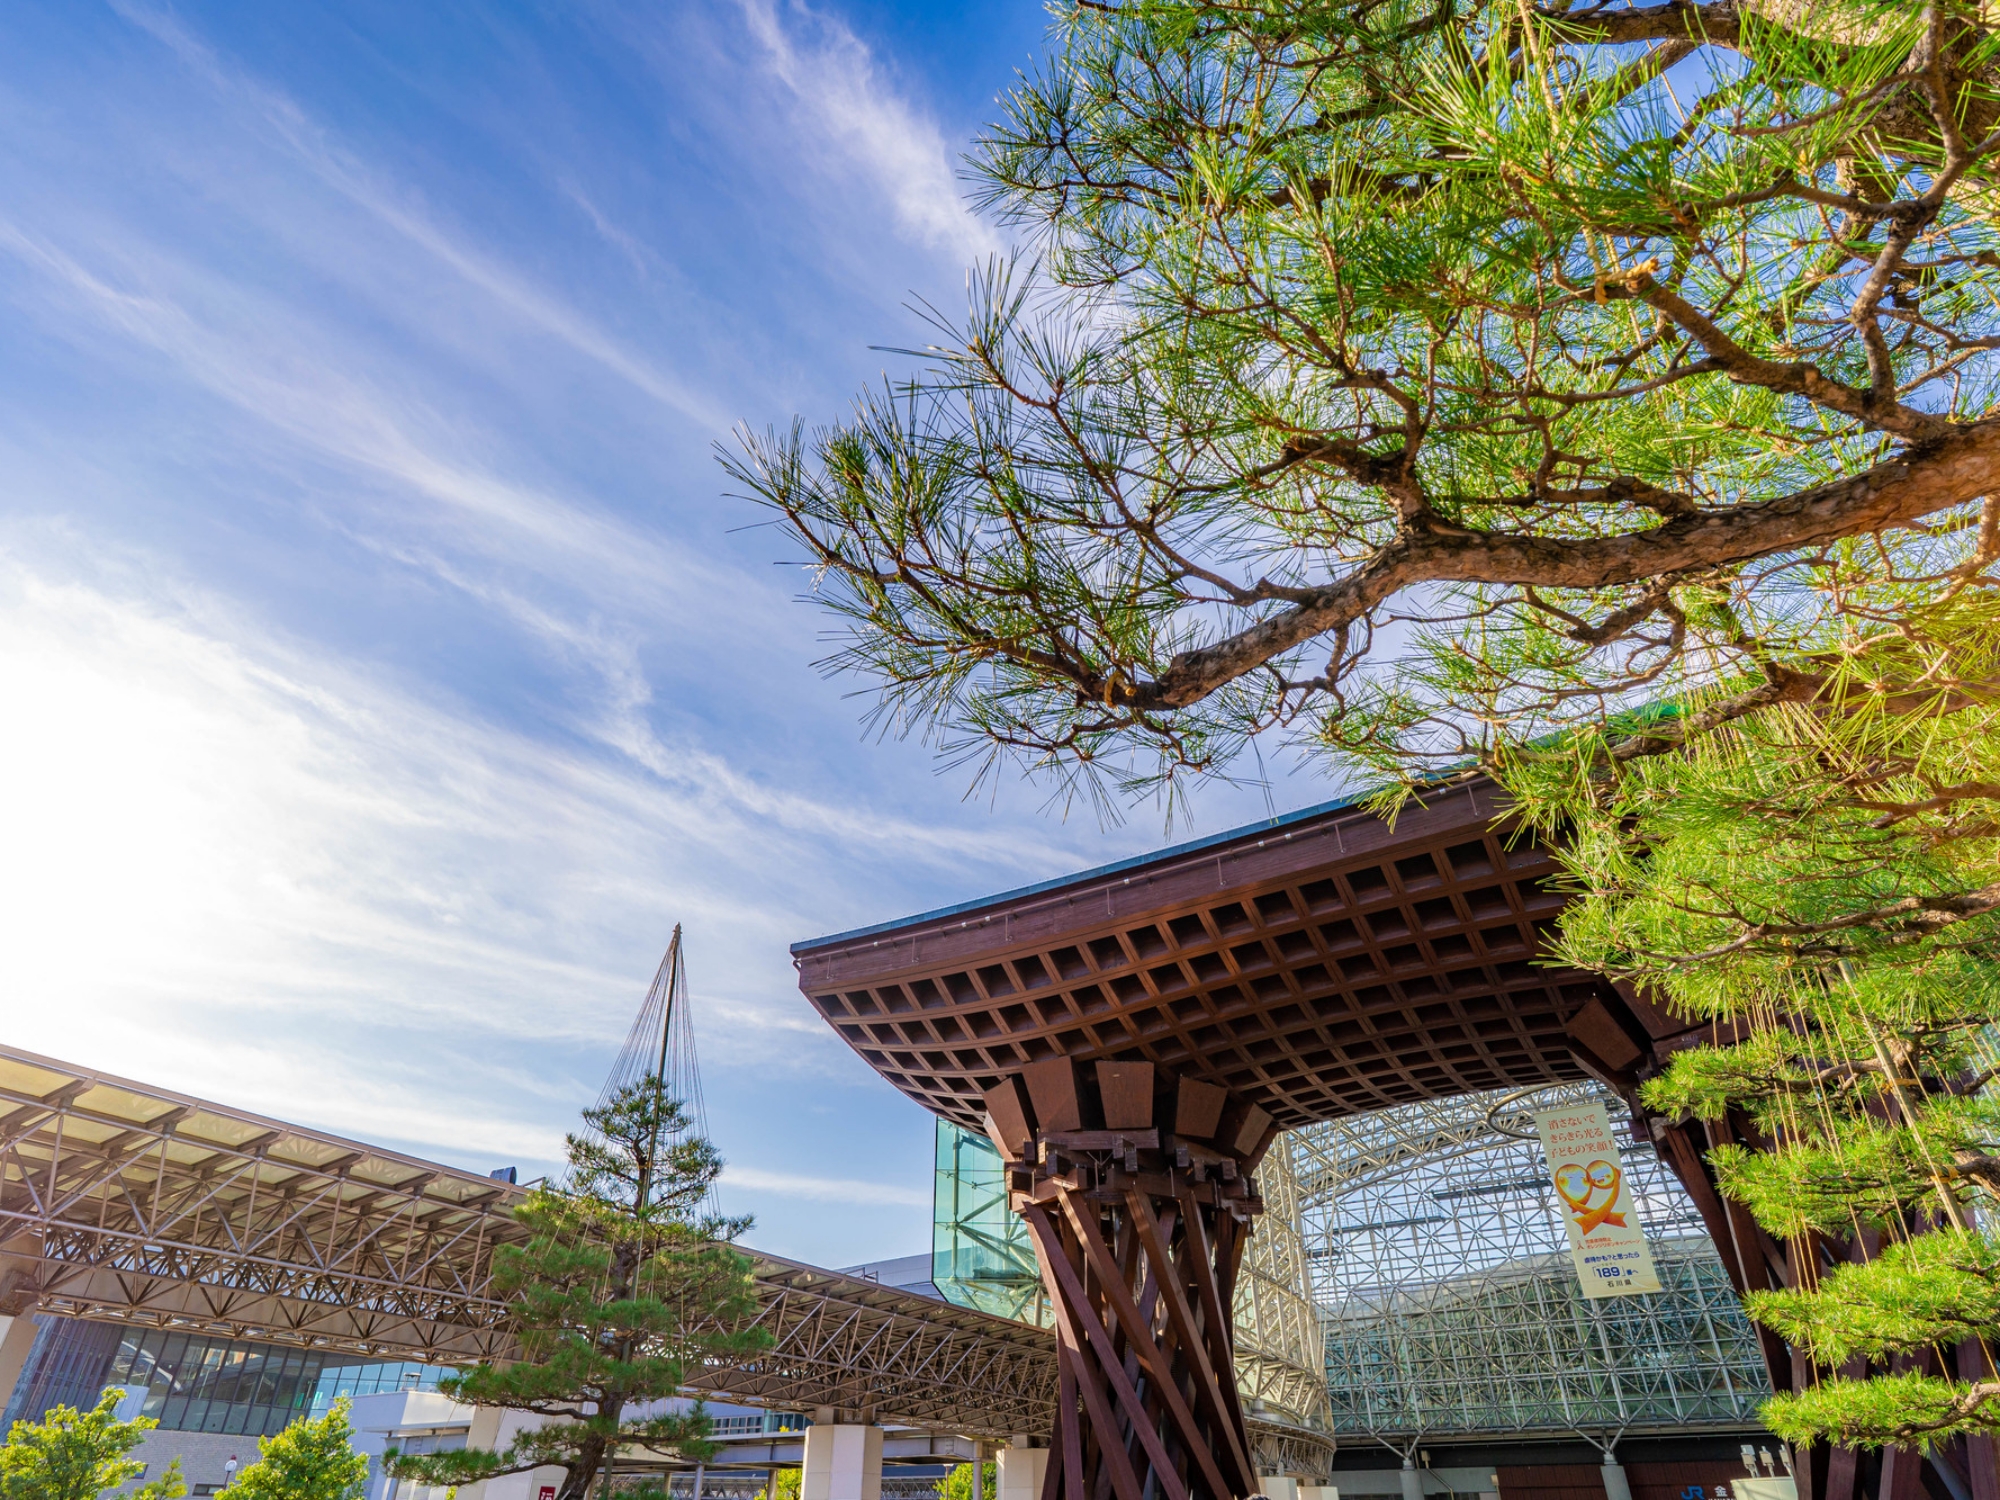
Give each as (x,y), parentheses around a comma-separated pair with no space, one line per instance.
(843,1462)
(1413,1482)
(1278,1486)
(1022,1470)
(17,1337)
(483,1433)
(1616,1487)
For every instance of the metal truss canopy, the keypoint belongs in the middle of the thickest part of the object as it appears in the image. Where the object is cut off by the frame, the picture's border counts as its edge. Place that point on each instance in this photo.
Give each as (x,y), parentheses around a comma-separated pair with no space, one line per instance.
(1280,1347)
(128,1203)
(122,1199)
(860,1347)
(1451,1307)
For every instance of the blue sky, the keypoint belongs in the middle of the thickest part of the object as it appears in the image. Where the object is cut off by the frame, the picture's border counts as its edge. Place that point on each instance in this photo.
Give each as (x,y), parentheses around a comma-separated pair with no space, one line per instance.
(386,670)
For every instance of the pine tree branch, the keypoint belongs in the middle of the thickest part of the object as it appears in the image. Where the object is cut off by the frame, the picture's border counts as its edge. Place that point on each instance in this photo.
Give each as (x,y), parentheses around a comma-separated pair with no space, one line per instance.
(1876,408)
(1719,23)
(1904,921)
(1903,1410)
(1906,488)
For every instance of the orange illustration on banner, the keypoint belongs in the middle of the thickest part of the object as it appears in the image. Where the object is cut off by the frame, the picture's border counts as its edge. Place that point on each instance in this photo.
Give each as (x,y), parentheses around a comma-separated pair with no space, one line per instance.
(1578,1185)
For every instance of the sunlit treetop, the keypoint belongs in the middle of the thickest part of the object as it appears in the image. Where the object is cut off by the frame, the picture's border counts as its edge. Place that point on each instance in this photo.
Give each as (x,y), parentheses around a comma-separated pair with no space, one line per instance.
(1414,378)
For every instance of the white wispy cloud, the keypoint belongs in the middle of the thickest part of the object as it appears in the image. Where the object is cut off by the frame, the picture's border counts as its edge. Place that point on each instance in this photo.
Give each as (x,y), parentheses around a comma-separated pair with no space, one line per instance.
(628,245)
(341,169)
(252,841)
(850,109)
(405,877)
(262,878)
(294,377)
(289,376)
(824,1189)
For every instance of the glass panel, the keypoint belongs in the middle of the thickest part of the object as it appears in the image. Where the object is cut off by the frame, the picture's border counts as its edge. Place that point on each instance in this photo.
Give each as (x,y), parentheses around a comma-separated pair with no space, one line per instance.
(1449,1302)
(229,1382)
(69,1364)
(372,1378)
(260,1388)
(127,1358)
(193,1383)
(164,1350)
(294,1386)
(980,1254)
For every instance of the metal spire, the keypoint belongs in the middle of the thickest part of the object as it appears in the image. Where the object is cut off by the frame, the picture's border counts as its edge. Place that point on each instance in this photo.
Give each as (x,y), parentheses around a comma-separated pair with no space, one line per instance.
(661,1044)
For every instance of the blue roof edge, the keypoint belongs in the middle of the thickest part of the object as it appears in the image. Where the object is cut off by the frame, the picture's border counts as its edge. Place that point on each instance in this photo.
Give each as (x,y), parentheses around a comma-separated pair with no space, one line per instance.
(1136,861)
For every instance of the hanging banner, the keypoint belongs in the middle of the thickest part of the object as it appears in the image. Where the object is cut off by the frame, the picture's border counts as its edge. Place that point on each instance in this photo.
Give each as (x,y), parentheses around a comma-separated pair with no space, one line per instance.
(1605,1240)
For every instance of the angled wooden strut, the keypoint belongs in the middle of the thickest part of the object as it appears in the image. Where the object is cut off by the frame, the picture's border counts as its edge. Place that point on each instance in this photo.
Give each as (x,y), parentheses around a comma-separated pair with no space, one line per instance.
(1137,1189)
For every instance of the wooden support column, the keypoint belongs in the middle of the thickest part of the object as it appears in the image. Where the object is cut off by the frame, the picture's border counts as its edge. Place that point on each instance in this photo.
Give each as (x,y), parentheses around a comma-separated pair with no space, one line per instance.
(1982,1465)
(1137,1190)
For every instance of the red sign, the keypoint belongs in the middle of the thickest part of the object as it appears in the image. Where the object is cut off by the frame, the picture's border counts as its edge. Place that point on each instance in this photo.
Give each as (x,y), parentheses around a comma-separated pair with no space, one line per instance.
(548,1493)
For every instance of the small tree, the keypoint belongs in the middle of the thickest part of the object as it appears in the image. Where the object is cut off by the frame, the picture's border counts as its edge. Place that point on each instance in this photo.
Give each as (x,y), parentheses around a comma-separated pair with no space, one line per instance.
(622,1282)
(313,1459)
(78,1455)
(957,1485)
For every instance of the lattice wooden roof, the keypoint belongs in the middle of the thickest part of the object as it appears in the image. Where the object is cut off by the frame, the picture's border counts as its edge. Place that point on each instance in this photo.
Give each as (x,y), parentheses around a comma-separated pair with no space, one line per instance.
(1318,965)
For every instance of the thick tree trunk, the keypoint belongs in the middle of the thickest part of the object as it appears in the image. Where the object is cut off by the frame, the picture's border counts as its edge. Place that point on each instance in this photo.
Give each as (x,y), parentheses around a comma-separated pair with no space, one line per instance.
(589,1459)
(1899,490)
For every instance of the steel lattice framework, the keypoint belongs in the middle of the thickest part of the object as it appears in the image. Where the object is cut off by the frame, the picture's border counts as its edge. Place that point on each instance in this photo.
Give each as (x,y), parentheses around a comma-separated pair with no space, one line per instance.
(1279,1364)
(1450,1304)
(160,1208)
(127,1203)
(861,1347)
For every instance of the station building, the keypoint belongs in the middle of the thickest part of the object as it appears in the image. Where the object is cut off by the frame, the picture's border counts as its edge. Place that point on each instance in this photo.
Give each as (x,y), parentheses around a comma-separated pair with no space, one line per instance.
(1409,1323)
(1443,1318)
(1410,1309)
(214,1398)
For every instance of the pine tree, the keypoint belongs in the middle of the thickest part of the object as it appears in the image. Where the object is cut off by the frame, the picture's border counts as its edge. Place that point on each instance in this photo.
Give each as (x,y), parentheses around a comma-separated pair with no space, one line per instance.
(1599,397)
(78,1455)
(1365,327)
(1820,881)
(622,1282)
(312,1459)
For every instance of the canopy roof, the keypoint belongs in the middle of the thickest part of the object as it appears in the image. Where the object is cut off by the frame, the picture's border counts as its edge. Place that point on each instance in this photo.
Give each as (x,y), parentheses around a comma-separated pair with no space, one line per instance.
(132,1204)
(1317,965)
